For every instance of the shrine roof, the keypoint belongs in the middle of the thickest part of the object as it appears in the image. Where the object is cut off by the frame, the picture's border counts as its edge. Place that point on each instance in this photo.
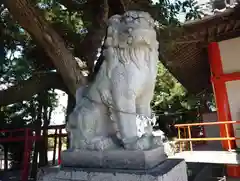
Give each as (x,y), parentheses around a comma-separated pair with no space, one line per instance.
(187,57)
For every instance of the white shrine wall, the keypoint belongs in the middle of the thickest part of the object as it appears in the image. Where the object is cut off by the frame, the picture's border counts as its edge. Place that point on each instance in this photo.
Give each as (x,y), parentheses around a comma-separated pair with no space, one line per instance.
(230,59)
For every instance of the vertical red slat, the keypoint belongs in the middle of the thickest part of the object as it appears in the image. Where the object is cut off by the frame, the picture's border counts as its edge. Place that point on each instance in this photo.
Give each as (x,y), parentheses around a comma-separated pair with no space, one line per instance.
(26,158)
(220,91)
(223,109)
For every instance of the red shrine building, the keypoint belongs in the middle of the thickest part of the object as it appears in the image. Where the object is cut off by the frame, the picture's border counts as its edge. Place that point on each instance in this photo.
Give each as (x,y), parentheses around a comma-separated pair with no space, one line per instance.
(205,58)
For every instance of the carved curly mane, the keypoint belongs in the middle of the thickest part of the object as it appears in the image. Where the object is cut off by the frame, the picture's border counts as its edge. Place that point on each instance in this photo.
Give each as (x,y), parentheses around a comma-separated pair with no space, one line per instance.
(132,46)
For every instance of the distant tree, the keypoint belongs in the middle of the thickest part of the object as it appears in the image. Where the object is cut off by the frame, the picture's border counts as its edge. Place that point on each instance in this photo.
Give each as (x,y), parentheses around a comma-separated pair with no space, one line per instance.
(173,104)
(31,113)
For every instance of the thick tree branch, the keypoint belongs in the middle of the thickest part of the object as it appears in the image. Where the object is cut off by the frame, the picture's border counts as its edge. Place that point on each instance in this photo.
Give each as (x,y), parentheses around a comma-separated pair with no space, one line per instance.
(28,17)
(97,12)
(24,90)
(53,44)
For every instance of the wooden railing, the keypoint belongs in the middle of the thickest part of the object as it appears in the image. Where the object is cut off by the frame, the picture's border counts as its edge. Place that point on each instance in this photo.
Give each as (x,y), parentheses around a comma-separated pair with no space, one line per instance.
(188,134)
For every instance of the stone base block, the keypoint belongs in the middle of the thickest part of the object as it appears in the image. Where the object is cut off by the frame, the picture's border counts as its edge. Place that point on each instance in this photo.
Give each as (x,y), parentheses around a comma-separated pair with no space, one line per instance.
(170,170)
(116,159)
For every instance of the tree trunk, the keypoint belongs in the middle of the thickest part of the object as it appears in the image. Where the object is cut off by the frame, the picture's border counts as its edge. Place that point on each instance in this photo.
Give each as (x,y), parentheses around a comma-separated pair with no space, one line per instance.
(38,124)
(46,122)
(204,99)
(99,12)
(25,89)
(28,17)
(35,154)
(6,157)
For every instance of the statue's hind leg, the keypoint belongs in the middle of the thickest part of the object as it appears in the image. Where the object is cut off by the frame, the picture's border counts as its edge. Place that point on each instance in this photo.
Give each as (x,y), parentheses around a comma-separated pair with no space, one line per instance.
(144,99)
(143,108)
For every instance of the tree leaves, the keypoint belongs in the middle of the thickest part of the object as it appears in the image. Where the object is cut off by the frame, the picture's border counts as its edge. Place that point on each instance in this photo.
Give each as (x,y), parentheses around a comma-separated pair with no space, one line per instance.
(168,92)
(172,103)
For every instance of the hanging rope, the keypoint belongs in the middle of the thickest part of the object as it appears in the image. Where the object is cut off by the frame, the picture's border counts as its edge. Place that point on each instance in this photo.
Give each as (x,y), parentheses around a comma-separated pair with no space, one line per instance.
(154,113)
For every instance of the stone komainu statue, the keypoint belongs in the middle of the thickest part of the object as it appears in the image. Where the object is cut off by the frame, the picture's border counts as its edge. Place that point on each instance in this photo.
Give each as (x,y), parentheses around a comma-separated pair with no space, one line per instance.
(113,111)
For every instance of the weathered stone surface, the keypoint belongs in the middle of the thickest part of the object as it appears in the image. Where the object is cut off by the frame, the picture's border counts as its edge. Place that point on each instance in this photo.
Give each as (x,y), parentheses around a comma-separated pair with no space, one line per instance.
(50,171)
(117,102)
(170,170)
(120,159)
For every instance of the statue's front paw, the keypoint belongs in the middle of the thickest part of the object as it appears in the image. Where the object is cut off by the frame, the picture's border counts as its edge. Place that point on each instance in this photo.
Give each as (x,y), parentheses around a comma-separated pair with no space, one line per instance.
(157,141)
(102,143)
(143,143)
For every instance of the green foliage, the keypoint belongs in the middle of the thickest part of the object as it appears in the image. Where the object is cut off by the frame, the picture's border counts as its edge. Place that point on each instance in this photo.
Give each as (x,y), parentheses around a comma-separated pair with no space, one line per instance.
(192,9)
(168,12)
(15,66)
(21,115)
(172,103)
(170,96)
(168,92)
(21,57)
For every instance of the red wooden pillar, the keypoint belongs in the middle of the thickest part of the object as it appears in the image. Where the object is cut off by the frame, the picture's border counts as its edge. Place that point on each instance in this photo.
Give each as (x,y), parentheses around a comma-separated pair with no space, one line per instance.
(219,80)
(220,91)
(26,158)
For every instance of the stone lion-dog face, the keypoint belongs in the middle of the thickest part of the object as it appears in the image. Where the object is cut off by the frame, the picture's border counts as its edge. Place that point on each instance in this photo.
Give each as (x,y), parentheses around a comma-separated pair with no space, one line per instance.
(133,29)
(126,80)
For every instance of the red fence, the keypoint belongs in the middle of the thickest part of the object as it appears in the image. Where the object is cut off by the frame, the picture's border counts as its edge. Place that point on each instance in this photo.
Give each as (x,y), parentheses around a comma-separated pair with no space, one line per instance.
(29,137)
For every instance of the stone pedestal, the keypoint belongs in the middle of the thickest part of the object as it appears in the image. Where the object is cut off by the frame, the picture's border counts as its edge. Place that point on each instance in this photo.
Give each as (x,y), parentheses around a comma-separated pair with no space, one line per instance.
(169,170)
(113,159)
